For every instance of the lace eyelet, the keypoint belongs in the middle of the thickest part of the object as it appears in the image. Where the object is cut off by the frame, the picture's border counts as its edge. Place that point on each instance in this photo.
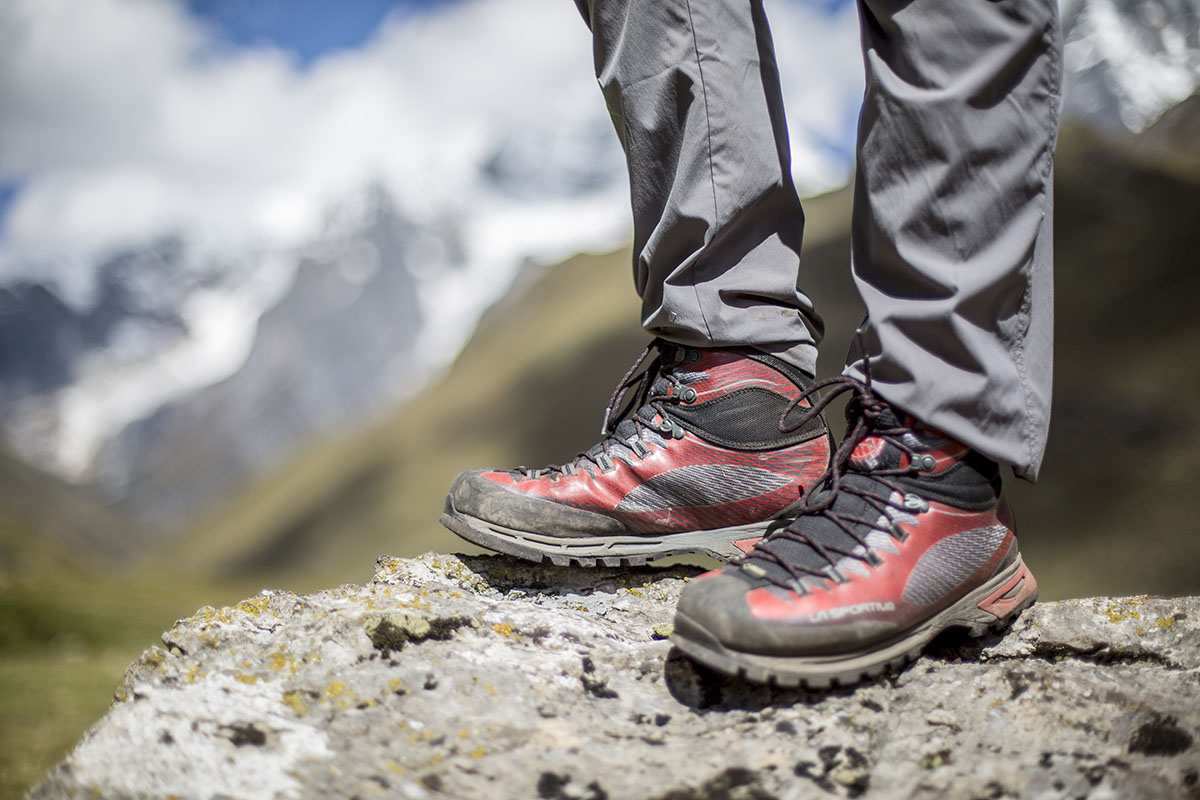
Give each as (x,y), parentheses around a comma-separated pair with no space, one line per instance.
(924,463)
(836,575)
(916,503)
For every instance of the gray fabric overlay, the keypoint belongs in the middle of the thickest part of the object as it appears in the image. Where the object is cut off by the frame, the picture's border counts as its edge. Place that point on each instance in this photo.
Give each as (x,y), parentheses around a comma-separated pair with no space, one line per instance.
(952,216)
(950,562)
(701,485)
(693,91)
(952,212)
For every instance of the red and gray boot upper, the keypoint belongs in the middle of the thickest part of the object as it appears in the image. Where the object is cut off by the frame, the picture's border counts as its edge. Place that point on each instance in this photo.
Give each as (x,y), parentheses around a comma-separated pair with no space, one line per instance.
(706,452)
(907,535)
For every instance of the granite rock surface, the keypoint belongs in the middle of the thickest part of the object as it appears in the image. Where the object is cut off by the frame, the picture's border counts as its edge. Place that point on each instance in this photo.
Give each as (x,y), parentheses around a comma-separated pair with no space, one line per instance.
(486,677)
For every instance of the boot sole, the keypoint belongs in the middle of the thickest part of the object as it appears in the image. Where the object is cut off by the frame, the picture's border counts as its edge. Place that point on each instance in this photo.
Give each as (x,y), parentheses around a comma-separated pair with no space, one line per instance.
(632,550)
(992,607)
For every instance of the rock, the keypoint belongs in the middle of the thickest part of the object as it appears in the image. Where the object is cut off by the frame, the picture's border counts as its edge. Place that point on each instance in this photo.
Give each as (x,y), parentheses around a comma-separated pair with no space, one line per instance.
(456,676)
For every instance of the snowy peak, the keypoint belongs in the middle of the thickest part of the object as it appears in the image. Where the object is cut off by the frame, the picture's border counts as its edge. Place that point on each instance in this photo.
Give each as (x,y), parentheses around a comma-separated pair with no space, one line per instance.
(1128,62)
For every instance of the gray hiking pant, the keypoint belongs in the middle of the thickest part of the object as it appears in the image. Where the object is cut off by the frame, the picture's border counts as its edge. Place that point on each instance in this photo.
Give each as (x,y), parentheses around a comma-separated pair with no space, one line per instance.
(951,232)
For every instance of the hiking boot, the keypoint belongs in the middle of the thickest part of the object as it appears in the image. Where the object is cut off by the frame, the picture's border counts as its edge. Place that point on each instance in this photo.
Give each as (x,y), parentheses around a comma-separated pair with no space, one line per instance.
(907,535)
(697,461)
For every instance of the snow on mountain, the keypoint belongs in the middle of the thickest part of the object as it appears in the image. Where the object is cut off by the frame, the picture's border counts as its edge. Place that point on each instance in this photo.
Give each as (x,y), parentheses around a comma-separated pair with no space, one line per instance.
(213,254)
(1129,61)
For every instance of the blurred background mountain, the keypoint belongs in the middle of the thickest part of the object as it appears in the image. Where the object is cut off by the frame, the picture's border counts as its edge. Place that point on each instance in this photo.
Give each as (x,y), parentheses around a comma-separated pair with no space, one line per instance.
(271,273)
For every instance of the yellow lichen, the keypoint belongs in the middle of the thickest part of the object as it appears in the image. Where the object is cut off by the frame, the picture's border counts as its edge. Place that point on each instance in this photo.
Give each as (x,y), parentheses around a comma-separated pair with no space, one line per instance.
(397,686)
(339,696)
(394,767)
(503,628)
(245,677)
(281,659)
(154,657)
(1164,622)
(255,606)
(1116,612)
(478,752)
(293,701)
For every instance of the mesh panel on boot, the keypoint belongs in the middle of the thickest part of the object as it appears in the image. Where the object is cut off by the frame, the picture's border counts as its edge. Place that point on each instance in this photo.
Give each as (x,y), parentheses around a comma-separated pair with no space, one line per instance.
(950,562)
(745,419)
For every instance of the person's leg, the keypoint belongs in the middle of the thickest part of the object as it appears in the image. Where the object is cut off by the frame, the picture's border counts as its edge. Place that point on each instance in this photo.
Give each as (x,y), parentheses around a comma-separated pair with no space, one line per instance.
(693,91)
(952,217)
(697,462)
(908,534)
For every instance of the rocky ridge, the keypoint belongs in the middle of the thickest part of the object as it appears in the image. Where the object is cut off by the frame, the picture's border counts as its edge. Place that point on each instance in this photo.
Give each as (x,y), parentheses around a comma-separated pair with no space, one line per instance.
(459,676)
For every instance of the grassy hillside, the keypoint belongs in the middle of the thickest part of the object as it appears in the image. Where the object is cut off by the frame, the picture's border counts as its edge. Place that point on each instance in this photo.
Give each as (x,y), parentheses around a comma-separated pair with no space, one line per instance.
(78,602)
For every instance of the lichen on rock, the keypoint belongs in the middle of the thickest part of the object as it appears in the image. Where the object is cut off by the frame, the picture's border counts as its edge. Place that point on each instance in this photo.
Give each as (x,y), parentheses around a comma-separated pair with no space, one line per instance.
(457,676)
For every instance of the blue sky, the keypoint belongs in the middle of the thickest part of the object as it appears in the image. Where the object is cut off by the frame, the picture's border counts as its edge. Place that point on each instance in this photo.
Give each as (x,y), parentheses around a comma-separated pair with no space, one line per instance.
(308,28)
(115,111)
(312,28)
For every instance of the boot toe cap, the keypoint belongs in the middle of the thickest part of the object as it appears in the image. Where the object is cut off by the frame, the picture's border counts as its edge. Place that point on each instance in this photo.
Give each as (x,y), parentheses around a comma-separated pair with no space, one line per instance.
(484,494)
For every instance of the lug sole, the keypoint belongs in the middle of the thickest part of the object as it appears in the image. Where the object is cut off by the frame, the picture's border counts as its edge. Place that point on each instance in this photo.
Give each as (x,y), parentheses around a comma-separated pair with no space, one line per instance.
(631,550)
(991,607)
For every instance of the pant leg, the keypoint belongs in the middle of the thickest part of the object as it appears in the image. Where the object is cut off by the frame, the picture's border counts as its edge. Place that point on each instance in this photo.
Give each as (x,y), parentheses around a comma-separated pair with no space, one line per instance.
(693,90)
(952,248)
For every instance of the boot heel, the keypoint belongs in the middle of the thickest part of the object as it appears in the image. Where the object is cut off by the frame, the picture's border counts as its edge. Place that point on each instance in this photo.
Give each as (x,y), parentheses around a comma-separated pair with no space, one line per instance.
(1017,593)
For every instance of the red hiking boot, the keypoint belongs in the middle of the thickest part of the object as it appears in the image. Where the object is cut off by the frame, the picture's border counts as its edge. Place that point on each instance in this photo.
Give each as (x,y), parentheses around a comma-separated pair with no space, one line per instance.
(707,453)
(907,535)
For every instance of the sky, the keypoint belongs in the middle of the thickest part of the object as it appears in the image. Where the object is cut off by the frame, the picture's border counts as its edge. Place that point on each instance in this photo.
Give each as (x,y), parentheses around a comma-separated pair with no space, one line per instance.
(308,28)
(244,121)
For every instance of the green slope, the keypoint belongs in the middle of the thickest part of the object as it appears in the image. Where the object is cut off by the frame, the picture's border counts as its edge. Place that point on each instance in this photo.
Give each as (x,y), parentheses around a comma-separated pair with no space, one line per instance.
(77,604)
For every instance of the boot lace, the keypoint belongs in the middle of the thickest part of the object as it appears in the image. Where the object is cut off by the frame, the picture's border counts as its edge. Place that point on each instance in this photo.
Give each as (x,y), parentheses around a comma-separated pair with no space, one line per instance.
(869,414)
(639,398)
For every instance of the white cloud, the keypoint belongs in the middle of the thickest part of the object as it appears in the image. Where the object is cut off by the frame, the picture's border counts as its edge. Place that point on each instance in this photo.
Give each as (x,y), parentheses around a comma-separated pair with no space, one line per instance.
(820,68)
(125,119)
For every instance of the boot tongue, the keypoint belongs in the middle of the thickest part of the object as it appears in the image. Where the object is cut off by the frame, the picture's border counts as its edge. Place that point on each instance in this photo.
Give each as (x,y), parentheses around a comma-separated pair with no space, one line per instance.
(625,430)
(874,451)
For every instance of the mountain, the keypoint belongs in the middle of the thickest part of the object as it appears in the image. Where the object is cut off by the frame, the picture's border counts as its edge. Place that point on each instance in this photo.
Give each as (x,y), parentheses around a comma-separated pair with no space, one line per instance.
(1128,62)
(166,374)
(203,345)
(182,375)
